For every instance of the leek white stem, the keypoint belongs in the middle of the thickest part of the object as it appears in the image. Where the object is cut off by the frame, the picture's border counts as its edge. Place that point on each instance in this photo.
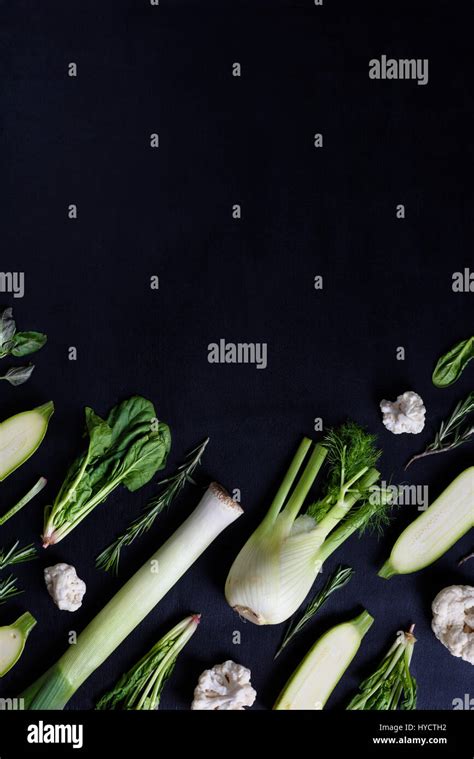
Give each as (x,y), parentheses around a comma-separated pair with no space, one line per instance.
(134,600)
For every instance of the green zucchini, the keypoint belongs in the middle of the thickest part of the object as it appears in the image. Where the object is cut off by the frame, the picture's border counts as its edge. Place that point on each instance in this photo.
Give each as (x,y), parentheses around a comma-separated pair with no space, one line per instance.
(435,530)
(323,666)
(20,436)
(12,641)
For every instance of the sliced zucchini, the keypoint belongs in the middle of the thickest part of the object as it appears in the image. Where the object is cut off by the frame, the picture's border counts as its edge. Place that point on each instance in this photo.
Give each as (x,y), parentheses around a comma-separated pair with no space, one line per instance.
(323,666)
(435,530)
(20,436)
(12,641)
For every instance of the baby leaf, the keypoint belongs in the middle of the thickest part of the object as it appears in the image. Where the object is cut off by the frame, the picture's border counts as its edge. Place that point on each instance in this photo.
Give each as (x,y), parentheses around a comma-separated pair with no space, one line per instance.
(24,343)
(17,375)
(7,330)
(451,364)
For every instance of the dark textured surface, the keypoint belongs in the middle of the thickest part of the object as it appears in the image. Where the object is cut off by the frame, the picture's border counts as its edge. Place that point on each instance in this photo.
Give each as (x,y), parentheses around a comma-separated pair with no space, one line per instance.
(387,283)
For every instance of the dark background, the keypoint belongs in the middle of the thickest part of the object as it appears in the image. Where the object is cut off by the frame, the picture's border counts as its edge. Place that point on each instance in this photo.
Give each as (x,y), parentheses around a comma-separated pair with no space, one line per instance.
(331,211)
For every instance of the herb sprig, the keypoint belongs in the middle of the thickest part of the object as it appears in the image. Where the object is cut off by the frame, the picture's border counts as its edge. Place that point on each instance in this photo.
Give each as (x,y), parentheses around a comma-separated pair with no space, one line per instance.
(109,559)
(14,556)
(451,433)
(13,343)
(339,578)
(8,589)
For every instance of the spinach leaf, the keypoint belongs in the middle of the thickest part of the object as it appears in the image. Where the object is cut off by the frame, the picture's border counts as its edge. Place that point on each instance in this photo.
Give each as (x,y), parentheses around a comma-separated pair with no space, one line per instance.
(128,448)
(451,364)
(24,343)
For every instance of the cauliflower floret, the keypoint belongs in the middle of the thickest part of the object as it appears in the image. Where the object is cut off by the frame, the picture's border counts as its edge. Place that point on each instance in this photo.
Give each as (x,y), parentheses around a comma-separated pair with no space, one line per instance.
(225,686)
(406,414)
(453,620)
(64,586)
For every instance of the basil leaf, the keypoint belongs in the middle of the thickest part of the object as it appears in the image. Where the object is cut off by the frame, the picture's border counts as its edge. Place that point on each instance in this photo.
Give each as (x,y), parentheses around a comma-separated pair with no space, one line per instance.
(451,364)
(7,331)
(27,342)
(17,375)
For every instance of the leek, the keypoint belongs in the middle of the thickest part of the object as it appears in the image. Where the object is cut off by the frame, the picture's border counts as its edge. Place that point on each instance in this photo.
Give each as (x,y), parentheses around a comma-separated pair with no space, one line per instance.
(134,601)
(274,571)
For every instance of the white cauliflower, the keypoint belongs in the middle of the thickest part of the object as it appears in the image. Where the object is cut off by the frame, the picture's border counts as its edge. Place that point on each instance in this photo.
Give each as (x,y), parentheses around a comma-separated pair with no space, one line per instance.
(453,620)
(64,586)
(406,414)
(225,686)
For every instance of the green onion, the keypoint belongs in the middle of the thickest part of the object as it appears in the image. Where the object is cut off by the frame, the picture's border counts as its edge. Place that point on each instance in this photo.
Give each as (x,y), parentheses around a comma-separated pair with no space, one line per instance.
(140,688)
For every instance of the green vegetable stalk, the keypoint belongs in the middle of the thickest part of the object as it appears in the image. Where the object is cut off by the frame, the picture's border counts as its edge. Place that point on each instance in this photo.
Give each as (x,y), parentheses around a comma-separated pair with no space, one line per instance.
(126,449)
(392,686)
(141,687)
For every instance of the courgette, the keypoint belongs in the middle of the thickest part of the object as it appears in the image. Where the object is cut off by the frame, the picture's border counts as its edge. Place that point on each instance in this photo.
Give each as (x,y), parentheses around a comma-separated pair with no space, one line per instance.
(12,641)
(20,436)
(435,530)
(323,666)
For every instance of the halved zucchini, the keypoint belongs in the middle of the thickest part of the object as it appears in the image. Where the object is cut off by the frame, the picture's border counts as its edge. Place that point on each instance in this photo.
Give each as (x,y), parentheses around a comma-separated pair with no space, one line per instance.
(12,641)
(323,666)
(435,530)
(20,436)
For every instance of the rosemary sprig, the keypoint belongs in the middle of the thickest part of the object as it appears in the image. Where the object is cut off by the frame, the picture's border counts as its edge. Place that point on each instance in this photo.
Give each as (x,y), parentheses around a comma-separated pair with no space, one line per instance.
(109,559)
(337,580)
(8,589)
(14,556)
(450,434)
(466,558)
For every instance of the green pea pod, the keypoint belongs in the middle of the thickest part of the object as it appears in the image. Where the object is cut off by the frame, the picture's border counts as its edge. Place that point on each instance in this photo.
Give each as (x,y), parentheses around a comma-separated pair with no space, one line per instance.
(451,364)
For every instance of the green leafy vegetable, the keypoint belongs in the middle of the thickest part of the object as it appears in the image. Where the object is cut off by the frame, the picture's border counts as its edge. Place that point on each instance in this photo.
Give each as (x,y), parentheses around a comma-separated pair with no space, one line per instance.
(336,581)
(140,689)
(109,558)
(17,343)
(392,686)
(126,449)
(8,589)
(451,434)
(276,568)
(17,375)
(14,556)
(37,488)
(452,364)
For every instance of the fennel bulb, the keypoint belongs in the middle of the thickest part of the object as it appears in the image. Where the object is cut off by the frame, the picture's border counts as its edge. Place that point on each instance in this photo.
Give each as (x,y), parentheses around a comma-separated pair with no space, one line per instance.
(274,571)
